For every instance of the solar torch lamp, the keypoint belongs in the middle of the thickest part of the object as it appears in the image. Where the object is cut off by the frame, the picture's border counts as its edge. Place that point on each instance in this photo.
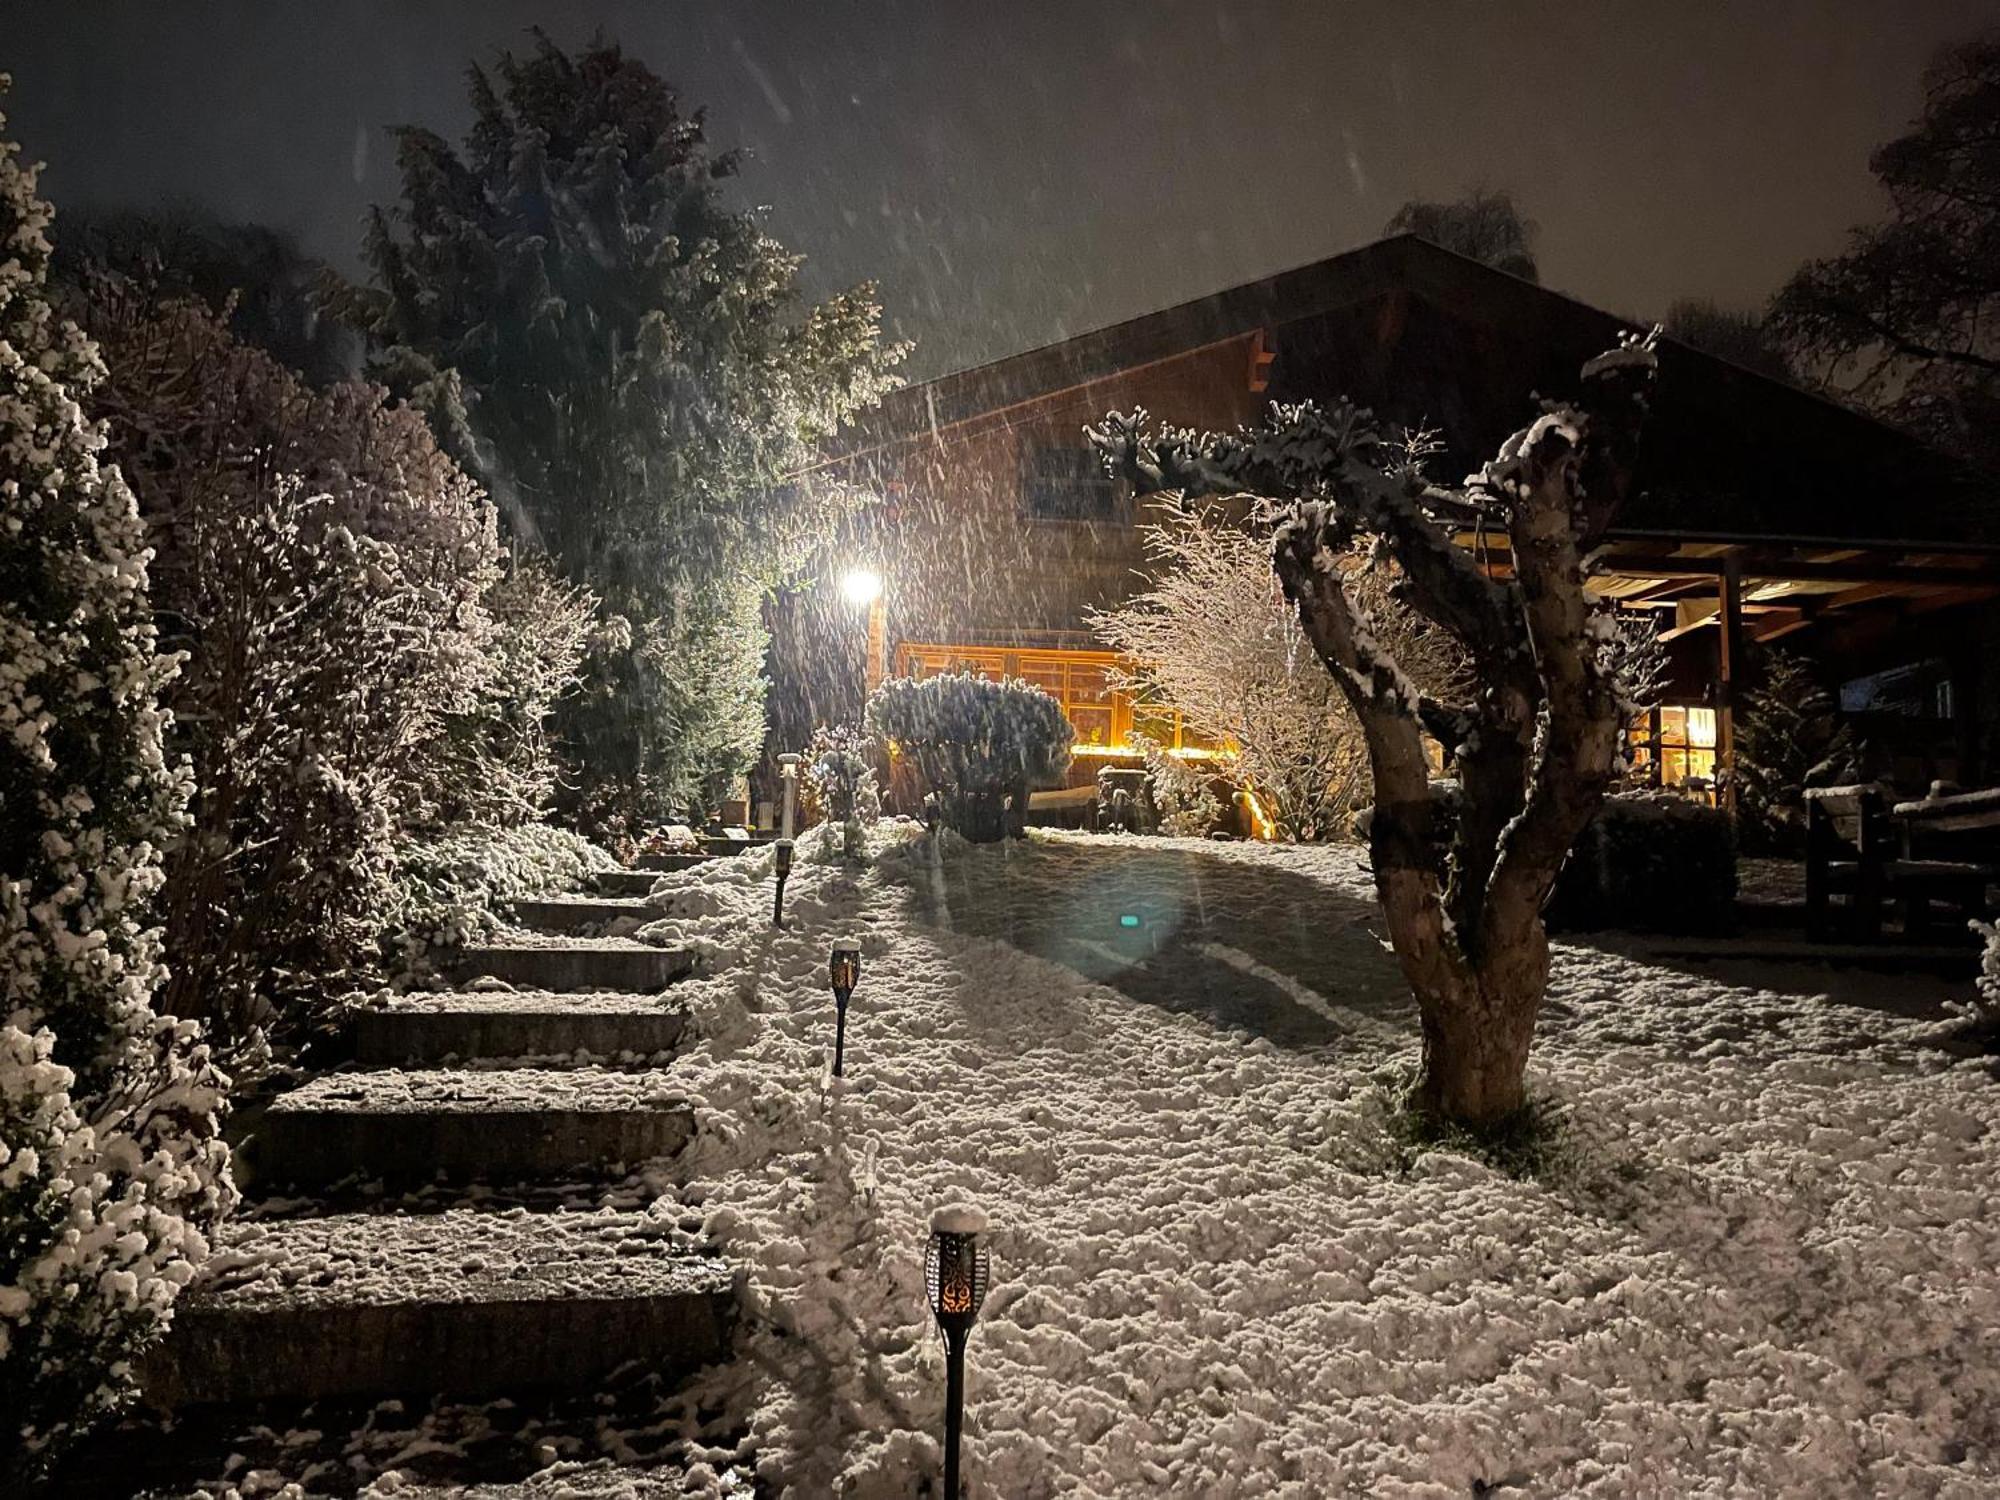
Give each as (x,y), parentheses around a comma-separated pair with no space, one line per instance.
(845,972)
(955,1277)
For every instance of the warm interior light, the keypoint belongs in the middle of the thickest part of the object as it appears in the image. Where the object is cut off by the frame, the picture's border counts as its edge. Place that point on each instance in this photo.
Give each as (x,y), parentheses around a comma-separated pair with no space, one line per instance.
(1261,826)
(861,586)
(1701,728)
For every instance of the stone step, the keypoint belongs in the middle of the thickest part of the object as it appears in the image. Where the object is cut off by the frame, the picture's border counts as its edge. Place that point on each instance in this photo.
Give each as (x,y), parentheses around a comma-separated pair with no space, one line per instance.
(498,1125)
(604,964)
(620,883)
(579,914)
(657,864)
(462,1302)
(419,1029)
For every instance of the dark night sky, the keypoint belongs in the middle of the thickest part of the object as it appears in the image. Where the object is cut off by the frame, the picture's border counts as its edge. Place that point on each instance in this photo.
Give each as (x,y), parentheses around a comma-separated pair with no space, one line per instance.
(1011,173)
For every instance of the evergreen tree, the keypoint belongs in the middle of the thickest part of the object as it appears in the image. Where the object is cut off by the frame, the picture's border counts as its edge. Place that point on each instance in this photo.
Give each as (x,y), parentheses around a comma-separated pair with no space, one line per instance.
(626,362)
(110,1161)
(1789,737)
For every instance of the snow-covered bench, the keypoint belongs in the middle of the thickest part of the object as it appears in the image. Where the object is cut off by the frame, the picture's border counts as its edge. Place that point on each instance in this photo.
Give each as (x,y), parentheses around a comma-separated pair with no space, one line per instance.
(1859,849)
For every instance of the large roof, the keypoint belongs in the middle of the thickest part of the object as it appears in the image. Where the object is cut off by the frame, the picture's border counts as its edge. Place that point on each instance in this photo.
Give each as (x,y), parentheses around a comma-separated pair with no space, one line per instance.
(1426,336)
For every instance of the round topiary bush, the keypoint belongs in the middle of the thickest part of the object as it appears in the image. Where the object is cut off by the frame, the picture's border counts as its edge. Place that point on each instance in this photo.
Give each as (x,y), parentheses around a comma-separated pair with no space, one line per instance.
(979,747)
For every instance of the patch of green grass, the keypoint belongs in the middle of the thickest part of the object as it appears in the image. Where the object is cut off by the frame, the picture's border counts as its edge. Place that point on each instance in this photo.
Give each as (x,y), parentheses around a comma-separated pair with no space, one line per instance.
(1534,1142)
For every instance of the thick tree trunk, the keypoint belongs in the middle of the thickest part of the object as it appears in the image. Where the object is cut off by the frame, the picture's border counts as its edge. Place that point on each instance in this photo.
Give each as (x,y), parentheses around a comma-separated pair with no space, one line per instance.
(1476,1037)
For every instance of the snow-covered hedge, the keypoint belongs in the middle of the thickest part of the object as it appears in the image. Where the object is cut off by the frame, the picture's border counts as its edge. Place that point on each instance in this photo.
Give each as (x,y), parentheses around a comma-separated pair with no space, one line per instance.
(978,746)
(446,889)
(110,1164)
(1650,862)
(325,566)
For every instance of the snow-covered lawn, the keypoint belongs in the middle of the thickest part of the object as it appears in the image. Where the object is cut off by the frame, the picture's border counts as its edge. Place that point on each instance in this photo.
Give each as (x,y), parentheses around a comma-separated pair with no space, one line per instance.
(1769,1263)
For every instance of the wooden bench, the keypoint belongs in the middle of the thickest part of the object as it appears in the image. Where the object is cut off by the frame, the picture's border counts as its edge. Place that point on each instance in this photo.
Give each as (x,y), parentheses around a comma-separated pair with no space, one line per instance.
(1847,855)
(1960,825)
(1865,855)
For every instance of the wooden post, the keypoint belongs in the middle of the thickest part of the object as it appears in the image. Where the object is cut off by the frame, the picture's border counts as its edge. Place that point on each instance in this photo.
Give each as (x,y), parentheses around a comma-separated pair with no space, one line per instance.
(878,644)
(1730,676)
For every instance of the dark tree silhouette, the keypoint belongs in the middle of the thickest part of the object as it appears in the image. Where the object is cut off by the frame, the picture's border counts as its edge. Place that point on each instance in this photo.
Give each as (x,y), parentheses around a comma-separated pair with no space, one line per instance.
(1484,225)
(1904,323)
(1742,338)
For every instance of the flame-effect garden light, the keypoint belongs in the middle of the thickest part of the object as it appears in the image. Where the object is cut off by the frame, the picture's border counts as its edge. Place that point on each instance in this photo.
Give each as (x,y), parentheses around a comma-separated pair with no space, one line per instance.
(955,1278)
(844,970)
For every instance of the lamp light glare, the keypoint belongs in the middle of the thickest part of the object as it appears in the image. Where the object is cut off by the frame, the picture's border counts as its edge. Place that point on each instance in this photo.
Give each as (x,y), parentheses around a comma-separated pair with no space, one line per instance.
(861,586)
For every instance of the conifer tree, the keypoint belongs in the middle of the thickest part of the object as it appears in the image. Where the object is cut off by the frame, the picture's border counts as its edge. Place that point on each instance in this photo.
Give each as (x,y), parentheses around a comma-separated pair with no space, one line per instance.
(1788,737)
(626,362)
(110,1162)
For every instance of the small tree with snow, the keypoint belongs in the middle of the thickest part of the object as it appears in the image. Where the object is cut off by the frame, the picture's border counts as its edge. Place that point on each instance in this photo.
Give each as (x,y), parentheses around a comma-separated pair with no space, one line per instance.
(111,1166)
(1536,741)
(1212,635)
(979,747)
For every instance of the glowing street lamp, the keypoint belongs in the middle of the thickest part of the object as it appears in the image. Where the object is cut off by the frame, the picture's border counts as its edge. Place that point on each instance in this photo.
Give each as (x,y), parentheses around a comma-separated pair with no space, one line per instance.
(863,588)
(844,970)
(955,1277)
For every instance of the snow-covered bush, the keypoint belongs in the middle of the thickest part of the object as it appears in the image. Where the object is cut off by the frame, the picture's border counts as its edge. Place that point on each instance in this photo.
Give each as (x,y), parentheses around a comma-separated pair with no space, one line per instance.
(1981,1013)
(979,747)
(111,1168)
(1212,635)
(1183,800)
(840,773)
(446,888)
(324,566)
(1650,862)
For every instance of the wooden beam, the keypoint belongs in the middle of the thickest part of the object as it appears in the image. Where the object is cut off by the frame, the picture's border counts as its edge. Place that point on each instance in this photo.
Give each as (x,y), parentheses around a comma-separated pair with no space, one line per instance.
(1654,565)
(1731,663)
(1779,622)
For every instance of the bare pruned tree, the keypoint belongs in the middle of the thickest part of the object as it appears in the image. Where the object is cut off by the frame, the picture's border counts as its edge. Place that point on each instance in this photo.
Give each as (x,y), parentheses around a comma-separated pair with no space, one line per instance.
(1535,743)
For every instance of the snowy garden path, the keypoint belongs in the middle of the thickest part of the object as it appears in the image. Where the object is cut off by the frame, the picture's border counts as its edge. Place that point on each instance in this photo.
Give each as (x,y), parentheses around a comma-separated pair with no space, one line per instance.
(1769,1265)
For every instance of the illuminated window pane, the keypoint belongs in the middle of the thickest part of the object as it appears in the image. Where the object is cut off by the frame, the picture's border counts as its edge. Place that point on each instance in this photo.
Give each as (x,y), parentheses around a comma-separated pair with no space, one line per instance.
(1701,728)
(1093,725)
(1089,685)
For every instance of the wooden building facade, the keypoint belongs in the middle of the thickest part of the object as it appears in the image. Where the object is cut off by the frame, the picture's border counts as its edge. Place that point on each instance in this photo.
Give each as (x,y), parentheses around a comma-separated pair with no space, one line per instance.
(1766,514)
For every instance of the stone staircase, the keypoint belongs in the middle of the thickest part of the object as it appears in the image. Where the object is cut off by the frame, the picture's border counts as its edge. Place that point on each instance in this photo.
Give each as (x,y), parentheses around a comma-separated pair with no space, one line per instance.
(551,1064)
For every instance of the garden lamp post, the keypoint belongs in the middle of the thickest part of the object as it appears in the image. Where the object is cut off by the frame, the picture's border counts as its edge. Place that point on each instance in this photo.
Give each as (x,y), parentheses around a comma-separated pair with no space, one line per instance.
(788,772)
(845,972)
(955,1277)
(781,861)
(781,852)
(862,587)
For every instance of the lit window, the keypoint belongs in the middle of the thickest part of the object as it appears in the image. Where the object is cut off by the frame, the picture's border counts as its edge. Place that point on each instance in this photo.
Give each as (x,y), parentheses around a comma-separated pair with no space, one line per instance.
(1675,743)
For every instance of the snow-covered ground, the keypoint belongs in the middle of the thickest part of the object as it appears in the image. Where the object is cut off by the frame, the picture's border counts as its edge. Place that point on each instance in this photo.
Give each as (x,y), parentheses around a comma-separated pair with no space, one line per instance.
(1763,1264)
(1768,1263)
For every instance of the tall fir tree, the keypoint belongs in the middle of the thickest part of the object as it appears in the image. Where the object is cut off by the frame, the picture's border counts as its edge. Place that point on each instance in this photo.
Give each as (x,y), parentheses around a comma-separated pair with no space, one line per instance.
(627,363)
(111,1165)
(1789,737)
